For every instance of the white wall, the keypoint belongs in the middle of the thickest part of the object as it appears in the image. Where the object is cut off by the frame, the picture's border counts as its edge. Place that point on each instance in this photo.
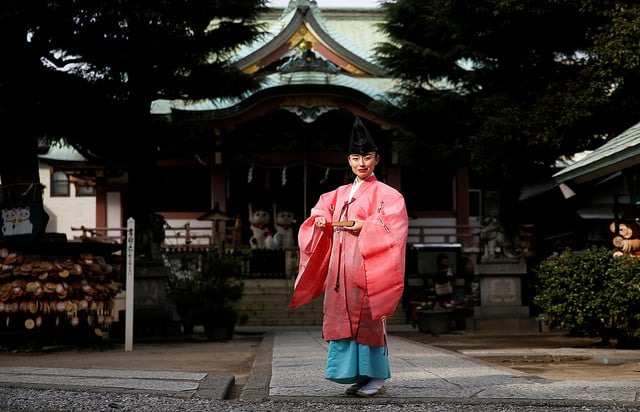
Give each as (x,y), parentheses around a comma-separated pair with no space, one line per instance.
(66,212)
(114,213)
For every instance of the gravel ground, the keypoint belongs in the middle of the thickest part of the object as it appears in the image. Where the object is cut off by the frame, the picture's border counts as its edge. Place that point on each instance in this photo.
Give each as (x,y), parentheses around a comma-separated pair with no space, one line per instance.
(19,399)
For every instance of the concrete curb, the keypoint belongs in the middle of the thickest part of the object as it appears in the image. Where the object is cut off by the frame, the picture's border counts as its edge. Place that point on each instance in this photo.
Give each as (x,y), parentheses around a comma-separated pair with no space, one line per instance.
(257,386)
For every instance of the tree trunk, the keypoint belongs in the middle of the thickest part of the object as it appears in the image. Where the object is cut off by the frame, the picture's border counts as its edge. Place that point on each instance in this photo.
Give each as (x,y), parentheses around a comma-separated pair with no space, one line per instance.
(22,214)
(19,158)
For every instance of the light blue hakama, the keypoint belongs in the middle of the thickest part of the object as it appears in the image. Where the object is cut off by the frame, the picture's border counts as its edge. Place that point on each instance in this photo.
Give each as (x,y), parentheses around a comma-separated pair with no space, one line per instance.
(350,362)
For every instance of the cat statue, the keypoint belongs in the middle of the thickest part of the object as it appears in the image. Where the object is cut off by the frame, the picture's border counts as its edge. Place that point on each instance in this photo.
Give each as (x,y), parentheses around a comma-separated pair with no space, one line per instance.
(283,238)
(9,219)
(262,237)
(23,223)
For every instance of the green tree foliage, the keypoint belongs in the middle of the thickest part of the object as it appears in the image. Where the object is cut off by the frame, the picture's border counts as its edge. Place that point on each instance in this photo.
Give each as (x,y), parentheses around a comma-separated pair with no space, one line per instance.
(591,293)
(88,71)
(507,87)
(616,61)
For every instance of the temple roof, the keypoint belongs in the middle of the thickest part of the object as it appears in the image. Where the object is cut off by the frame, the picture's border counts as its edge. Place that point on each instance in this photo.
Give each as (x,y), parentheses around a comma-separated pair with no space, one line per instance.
(302,21)
(300,49)
(621,152)
(62,152)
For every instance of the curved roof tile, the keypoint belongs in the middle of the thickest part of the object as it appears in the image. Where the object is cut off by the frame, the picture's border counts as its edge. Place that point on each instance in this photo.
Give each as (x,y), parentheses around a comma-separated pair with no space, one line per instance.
(618,153)
(305,14)
(274,81)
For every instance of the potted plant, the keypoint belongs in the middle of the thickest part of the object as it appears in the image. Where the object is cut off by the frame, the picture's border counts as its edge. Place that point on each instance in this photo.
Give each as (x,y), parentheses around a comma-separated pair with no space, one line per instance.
(433,318)
(204,286)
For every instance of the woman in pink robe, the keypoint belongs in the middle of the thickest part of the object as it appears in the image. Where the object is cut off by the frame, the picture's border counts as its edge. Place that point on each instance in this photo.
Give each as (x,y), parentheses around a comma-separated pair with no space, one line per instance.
(359,266)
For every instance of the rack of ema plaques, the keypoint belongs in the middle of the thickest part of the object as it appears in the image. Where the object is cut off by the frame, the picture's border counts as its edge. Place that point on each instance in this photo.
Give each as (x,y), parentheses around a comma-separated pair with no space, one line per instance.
(501,305)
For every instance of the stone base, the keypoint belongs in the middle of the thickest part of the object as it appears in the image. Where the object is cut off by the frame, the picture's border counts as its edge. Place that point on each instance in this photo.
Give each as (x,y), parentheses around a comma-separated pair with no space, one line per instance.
(501,312)
(501,267)
(501,306)
(503,325)
(148,324)
(154,314)
(514,319)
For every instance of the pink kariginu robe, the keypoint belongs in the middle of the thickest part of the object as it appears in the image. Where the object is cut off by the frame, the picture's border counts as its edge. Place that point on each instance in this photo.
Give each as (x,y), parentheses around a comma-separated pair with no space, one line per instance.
(361,275)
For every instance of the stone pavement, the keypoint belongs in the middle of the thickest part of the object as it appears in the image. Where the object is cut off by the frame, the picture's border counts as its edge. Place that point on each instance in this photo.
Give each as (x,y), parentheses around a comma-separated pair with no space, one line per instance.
(289,364)
(424,371)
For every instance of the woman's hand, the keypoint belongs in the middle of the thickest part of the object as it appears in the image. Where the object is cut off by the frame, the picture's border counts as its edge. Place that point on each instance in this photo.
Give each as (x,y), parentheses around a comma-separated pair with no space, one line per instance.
(320,222)
(356,228)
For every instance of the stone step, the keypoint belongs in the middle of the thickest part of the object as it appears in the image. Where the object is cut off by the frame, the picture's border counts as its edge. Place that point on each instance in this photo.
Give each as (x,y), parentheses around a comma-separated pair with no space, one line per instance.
(265,302)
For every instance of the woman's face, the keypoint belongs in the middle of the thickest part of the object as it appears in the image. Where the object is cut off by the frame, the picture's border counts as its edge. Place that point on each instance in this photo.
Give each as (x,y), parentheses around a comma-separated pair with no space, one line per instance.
(363,165)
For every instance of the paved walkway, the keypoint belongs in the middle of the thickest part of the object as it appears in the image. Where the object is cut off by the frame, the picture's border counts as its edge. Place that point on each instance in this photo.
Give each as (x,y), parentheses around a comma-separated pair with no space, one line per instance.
(424,371)
(290,364)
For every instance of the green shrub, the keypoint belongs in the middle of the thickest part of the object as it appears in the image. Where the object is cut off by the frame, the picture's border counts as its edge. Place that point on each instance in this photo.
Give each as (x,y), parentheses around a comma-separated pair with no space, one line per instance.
(591,293)
(205,284)
(623,292)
